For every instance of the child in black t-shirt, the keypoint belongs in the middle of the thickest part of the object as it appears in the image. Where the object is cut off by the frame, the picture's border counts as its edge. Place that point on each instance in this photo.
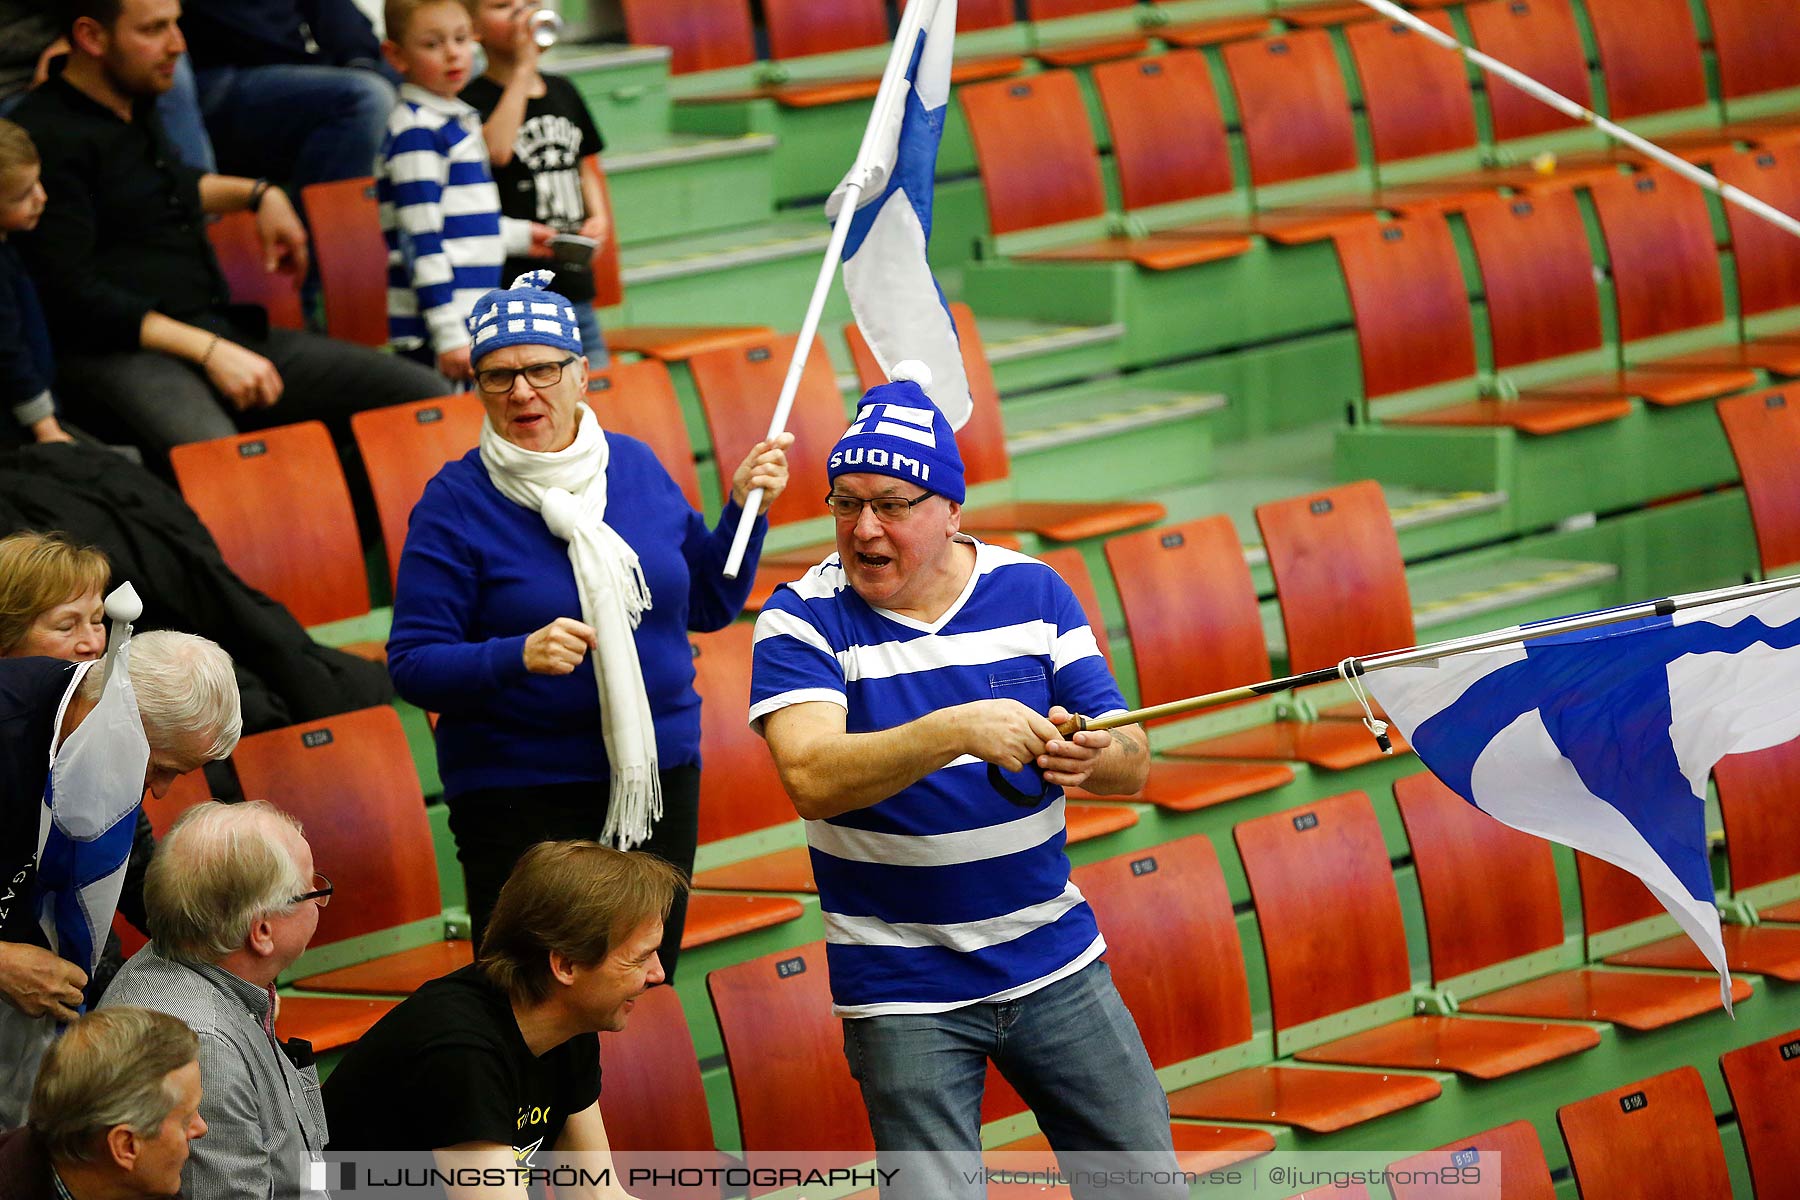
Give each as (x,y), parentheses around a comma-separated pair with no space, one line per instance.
(538,130)
(26,366)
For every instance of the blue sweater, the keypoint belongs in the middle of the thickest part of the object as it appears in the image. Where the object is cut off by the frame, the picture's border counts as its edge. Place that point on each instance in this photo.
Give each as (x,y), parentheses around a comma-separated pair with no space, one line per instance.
(480,573)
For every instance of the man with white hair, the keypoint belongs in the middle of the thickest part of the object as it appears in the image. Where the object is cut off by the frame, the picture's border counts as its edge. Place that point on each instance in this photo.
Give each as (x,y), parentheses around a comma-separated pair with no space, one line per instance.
(188,703)
(233,901)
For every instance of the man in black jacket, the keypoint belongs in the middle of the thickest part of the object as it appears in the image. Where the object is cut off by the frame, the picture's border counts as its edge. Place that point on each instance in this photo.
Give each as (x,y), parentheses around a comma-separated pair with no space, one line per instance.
(290,88)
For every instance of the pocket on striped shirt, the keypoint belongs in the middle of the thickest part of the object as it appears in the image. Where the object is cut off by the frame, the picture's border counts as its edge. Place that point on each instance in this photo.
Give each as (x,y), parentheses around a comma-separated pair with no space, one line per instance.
(1030,686)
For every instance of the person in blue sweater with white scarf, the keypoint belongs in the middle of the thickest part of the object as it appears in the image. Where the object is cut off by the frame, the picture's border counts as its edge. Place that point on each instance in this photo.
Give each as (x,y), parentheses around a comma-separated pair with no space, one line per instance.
(553,558)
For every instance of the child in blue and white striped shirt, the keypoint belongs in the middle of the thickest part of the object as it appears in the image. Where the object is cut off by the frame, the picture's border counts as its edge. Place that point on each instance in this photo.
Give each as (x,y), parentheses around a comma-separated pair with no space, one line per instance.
(440,210)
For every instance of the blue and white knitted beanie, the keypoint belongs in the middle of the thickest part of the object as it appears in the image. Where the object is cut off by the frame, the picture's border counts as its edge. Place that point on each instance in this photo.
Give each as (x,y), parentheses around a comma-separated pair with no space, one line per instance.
(900,433)
(526,314)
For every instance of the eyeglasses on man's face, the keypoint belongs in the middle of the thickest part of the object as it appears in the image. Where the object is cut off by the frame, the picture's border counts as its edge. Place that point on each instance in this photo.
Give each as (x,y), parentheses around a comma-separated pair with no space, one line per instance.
(497,381)
(321,891)
(889,509)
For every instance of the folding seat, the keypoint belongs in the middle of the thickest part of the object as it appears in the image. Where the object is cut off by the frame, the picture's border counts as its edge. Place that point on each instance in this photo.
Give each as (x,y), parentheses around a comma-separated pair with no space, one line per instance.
(1212,25)
(1348,959)
(638,400)
(1762,828)
(1655,78)
(654,1101)
(187,791)
(1650,1140)
(239,250)
(1764,1081)
(1757,43)
(1175,786)
(1416,338)
(1491,898)
(1764,431)
(1668,287)
(1612,899)
(1066,51)
(1195,628)
(1175,955)
(402,447)
(982,444)
(277,504)
(1040,175)
(1523,1172)
(701,34)
(798,28)
(352,257)
(1765,257)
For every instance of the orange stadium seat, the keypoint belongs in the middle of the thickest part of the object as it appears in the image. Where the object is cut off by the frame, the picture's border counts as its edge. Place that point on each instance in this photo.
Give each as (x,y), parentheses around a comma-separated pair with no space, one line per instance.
(1331,960)
(1077,52)
(1758,47)
(1176,786)
(1757,794)
(1765,256)
(798,28)
(1191,609)
(352,257)
(982,444)
(1414,330)
(1168,134)
(1764,431)
(402,447)
(240,253)
(1537,38)
(350,781)
(187,791)
(1338,574)
(638,400)
(1491,896)
(1650,64)
(1666,279)
(1651,1140)
(1764,1081)
(1040,169)
(654,1101)
(701,34)
(1611,898)
(1174,952)
(277,504)
(1524,1174)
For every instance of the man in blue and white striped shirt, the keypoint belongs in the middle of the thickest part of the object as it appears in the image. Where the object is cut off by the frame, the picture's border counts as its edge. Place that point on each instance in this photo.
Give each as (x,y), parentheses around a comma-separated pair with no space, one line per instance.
(886,682)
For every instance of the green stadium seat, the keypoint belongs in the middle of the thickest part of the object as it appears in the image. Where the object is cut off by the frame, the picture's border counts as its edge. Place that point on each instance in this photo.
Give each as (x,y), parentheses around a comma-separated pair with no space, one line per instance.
(1348,959)
(1191,611)
(1764,431)
(1416,338)
(1491,898)
(982,443)
(1764,1081)
(1649,1140)
(1175,955)
(277,503)
(239,249)
(1523,1172)
(1611,899)
(1174,786)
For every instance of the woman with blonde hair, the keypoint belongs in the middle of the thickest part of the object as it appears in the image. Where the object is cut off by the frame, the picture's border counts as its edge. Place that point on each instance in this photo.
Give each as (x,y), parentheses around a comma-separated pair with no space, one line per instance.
(51,598)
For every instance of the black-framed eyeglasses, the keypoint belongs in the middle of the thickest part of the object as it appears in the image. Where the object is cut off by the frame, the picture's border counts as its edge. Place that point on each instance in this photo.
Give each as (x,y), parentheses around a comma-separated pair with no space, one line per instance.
(498,381)
(321,891)
(891,509)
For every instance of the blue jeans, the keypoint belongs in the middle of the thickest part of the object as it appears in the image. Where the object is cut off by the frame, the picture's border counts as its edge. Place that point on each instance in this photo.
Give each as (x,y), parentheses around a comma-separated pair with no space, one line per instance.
(1072,1051)
(301,124)
(179,110)
(593,341)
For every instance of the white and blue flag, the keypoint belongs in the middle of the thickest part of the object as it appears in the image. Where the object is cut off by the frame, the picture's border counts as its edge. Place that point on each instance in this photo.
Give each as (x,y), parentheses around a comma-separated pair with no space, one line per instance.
(893,294)
(1603,739)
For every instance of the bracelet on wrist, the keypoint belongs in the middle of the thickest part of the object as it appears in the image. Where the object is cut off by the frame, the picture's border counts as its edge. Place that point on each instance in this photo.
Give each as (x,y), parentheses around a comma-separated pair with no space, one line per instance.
(258,190)
(210,347)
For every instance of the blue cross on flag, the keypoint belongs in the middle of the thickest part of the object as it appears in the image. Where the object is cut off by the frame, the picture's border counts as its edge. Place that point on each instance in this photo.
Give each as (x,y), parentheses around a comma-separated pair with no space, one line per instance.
(893,294)
(1603,739)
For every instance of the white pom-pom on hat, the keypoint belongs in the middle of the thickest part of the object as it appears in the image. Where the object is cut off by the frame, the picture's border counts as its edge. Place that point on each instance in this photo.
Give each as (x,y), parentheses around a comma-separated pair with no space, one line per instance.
(539,280)
(911,369)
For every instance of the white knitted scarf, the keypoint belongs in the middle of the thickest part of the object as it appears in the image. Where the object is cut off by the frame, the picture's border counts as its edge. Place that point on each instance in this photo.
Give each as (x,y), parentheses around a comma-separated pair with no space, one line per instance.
(568,489)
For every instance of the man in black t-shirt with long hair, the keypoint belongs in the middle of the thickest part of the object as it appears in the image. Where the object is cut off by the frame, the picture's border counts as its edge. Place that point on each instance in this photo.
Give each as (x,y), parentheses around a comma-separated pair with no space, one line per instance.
(492,1063)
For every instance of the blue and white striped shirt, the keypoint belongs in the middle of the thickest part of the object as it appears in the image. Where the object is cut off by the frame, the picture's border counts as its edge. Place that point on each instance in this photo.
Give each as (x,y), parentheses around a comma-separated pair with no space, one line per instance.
(440,214)
(945,894)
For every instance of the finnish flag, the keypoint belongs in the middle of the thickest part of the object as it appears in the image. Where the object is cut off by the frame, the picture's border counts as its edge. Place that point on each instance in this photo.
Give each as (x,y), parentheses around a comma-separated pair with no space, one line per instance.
(893,294)
(1603,739)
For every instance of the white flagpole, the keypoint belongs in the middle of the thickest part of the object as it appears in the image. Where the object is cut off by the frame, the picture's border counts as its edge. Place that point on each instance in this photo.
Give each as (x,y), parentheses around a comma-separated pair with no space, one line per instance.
(1568,107)
(863,176)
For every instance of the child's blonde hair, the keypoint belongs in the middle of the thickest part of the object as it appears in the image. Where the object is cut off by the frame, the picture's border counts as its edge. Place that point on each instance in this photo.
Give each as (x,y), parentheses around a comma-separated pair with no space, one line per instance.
(398,14)
(16,148)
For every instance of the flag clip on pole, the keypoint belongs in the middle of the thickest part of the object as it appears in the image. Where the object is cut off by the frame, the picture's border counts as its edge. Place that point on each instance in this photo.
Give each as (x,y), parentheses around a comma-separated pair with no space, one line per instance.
(867,174)
(1569,108)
